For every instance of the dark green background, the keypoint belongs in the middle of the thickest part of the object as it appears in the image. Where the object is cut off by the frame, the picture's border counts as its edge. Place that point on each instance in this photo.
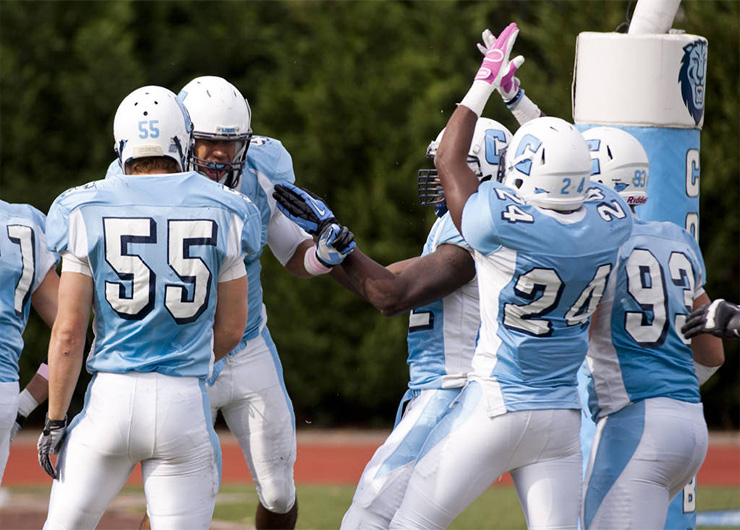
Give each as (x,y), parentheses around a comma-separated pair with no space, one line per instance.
(355,91)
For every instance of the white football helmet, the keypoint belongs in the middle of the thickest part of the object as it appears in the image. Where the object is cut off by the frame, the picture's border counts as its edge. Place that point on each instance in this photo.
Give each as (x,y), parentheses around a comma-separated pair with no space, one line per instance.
(219,112)
(620,162)
(152,121)
(548,163)
(490,139)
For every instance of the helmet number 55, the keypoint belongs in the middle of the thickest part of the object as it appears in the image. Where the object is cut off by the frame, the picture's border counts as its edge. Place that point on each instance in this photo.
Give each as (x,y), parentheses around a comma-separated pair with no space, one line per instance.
(149,129)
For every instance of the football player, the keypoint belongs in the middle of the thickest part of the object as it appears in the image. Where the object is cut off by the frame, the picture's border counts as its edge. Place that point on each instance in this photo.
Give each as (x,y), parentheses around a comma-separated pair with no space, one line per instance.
(28,278)
(682,509)
(164,273)
(643,376)
(248,386)
(440,289)
(545,242)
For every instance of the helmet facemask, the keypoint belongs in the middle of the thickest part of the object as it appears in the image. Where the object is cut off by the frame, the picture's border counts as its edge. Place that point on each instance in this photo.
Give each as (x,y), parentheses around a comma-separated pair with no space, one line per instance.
(227,173)
(220,114)
(489,141)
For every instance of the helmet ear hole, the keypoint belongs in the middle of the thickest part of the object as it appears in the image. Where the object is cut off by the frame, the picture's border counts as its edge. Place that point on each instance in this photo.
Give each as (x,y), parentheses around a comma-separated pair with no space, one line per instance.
(518,183)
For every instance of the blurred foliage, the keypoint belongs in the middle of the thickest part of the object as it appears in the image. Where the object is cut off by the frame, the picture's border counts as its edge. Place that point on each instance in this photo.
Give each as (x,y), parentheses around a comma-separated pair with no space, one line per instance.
(355,91)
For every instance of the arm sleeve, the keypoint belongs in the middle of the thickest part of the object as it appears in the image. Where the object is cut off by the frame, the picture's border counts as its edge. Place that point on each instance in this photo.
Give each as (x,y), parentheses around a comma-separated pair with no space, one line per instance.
(284,236)
(45,260)
(72,263)
(232,269)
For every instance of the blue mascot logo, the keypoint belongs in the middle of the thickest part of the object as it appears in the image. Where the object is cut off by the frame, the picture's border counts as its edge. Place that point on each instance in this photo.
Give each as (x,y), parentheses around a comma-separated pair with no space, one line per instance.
(692,76)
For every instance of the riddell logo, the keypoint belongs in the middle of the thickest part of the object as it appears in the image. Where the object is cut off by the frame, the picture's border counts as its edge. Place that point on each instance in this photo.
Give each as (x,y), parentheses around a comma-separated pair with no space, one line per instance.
(692,76)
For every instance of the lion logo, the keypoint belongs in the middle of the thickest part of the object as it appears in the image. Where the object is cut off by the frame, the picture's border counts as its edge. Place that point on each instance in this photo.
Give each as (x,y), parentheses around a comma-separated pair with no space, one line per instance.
(692,76)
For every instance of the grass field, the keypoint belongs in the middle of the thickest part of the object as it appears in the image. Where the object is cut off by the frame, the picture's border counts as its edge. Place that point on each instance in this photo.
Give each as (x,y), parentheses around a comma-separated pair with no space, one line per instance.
(322,507)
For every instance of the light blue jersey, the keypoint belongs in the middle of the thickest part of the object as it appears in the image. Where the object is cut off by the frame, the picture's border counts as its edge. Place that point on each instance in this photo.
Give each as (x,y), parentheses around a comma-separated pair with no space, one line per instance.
(24,263)
(268,163)
(442,334)
(542,274)
(156,246)
(637,351)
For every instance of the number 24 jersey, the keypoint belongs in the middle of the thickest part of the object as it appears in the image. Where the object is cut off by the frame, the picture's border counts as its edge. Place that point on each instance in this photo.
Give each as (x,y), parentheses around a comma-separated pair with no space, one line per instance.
(541,275)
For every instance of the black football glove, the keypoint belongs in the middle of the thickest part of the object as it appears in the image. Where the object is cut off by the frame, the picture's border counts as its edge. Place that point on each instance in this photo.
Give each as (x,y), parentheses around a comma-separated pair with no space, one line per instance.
(50,442)
(720,318)
(304,208)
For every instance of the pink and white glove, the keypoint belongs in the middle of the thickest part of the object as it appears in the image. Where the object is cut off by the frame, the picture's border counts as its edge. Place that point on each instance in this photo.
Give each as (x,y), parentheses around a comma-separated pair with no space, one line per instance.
(494,68)
(509,84)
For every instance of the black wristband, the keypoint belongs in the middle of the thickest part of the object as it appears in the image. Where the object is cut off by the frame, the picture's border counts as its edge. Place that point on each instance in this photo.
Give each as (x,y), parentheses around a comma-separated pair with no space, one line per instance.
(19,419)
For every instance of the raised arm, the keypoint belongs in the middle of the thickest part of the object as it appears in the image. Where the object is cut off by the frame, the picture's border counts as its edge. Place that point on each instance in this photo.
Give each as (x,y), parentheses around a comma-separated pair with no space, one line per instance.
(458,181)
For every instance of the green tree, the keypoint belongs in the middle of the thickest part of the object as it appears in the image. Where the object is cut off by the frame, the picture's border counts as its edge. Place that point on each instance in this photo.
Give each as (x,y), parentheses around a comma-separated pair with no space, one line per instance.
(355,91)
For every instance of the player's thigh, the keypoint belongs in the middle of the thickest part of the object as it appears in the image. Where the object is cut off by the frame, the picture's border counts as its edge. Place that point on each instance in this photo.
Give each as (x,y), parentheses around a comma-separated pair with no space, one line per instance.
(548,473)
(642,456)
(181,477)
(383,482)
(90,476)
(462,456)
(179,495)
(8,411)
(259,412)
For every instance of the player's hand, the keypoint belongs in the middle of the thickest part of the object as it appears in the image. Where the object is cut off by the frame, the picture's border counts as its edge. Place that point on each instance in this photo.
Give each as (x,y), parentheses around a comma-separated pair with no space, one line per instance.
(304,208)
(509,84)
(720,318)
(335,243)
(496,68)
(50,442)
(17,425)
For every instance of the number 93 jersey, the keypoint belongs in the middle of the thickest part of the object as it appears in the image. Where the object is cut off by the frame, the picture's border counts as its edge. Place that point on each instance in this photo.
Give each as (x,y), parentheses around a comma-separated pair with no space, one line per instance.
(156,247)
(24,263)
(637,351)
(541,274)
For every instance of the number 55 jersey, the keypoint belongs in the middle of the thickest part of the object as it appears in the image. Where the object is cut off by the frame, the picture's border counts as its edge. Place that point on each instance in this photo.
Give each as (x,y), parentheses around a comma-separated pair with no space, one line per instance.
(156,246)
(541,274)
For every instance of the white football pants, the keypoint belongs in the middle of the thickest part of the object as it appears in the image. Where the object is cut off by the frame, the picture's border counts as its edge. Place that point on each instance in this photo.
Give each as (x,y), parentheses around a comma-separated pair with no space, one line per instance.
(469,450)
(8,412)
(164,422)
(251,395)
(642,456)
(383,482)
